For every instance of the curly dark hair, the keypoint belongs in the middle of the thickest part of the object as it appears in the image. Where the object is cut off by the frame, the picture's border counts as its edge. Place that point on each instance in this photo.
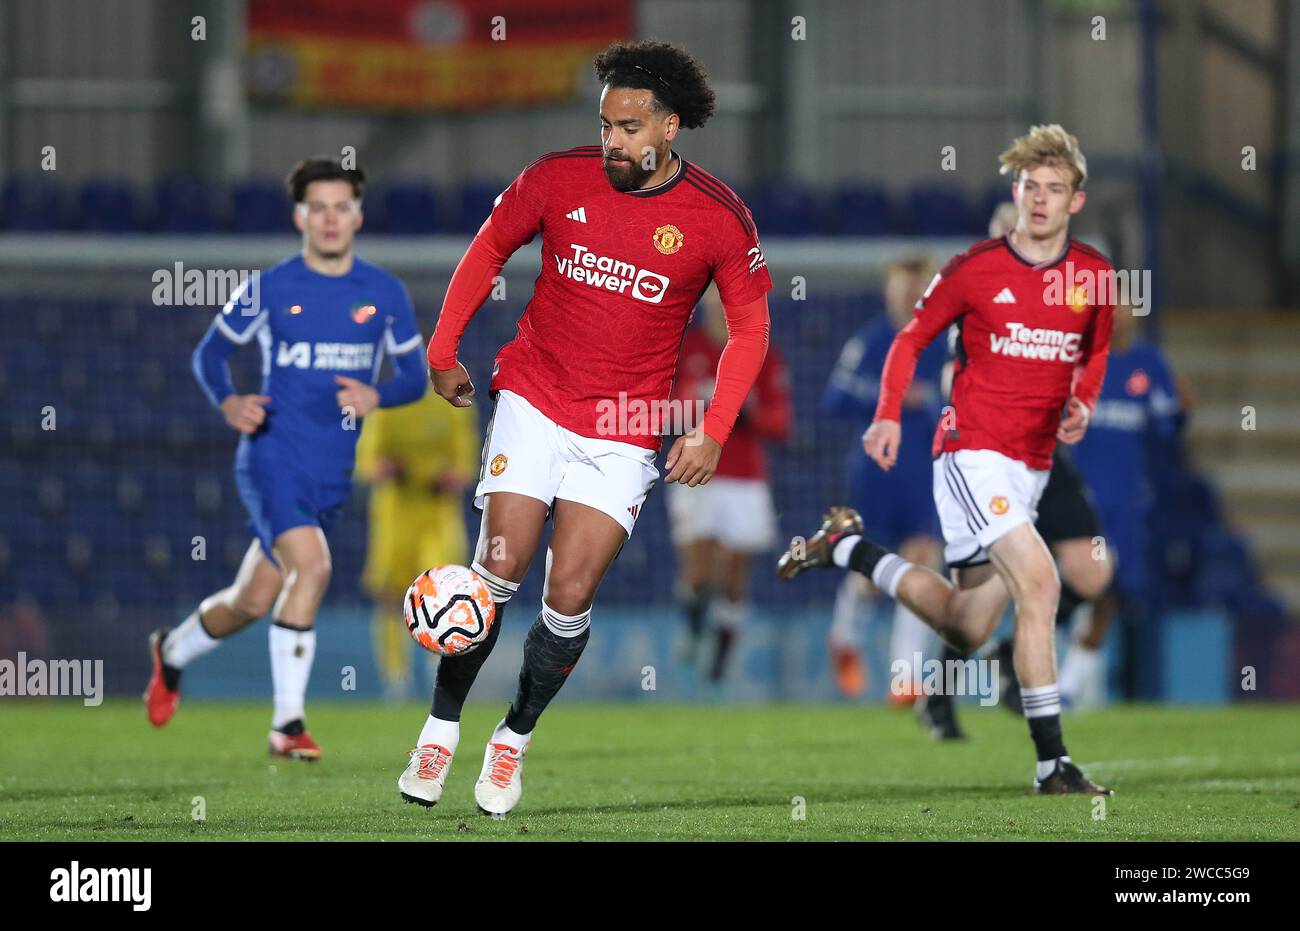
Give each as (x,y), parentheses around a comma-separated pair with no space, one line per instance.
(323,168)
(678,82)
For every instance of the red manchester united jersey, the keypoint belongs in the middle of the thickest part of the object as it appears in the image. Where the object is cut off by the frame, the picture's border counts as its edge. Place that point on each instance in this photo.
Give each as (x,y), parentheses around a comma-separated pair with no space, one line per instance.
(597,346)
(1029,336)
(765,417)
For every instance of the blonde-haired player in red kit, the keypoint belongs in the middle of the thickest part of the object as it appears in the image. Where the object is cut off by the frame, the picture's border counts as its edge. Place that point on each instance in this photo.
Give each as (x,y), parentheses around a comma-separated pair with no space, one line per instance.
(1031,356)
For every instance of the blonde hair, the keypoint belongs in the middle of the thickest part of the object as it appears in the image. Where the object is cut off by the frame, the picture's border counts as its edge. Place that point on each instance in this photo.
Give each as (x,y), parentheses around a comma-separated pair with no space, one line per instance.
(1046,145)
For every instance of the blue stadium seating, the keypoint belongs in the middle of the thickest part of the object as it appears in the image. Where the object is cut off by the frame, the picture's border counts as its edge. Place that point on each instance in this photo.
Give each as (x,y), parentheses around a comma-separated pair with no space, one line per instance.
(183,205)
(33,204)
(140,473)
(260,207)
(108,206)
(785,208)
(933,210)
(474,201)
(863,210)
(409,209)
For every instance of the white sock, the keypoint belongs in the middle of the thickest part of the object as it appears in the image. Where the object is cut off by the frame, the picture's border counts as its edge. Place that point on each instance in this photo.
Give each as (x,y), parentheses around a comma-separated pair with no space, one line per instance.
(445,734)
(1041,701)
(851,601)
(728,615)
(840,555)
(888,572)
(504,735)
(910,636)
(502,589)
(565,625)
(188,641)
(1080,665)
(1043,768)
(292,652)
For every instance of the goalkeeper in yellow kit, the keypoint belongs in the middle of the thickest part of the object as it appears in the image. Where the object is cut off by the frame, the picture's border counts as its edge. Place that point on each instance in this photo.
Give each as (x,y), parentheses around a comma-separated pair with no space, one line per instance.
(418,459)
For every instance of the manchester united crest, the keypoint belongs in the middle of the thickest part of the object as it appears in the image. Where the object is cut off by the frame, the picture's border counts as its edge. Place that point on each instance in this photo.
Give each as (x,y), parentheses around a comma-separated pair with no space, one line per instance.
(1077,299)
(998,505)
(498,464)
(668,239)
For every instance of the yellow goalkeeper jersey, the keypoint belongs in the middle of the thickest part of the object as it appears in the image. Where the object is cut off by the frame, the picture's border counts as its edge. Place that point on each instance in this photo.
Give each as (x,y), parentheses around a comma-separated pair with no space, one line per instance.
(413,526)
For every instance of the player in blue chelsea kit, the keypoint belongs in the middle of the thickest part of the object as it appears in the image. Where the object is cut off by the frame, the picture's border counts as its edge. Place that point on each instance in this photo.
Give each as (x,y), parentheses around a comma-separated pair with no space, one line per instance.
(324,320)
(1138,398)
(896,506)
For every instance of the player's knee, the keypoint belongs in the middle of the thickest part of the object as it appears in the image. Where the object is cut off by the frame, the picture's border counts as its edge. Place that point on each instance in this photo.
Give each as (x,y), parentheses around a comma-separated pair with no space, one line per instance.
(1093,581)
(313,571)
(1041,595)
(569,594)
(250,605)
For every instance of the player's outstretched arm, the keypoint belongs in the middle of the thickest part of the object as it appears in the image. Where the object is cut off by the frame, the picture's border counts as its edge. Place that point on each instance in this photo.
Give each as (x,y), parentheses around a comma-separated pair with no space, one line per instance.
(469,288)
(942,303)
(694,457)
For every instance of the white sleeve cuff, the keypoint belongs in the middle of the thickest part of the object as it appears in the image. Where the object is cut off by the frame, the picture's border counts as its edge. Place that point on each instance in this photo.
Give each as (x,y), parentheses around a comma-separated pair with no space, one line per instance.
(240,338)
(396,349)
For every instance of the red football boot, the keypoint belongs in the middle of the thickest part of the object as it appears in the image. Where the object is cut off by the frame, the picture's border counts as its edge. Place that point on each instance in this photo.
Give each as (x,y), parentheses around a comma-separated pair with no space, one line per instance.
(159,701)
(293,747)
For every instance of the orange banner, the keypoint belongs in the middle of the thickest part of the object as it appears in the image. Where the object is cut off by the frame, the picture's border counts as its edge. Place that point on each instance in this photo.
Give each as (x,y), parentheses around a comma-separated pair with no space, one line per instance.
(427,56)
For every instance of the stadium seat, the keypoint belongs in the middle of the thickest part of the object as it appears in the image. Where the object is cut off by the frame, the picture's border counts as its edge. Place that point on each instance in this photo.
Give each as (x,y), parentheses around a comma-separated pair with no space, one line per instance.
(108,206)
(863,210)
(937,211)
(785,208)
(987,203)
(33,204)
(409,209)
(474,201)
(183,205)
(260,207)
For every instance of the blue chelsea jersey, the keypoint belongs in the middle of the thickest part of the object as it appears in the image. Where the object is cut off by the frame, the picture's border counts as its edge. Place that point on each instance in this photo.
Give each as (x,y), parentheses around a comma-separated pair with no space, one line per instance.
(1138,398)
(854,385)
(312,327)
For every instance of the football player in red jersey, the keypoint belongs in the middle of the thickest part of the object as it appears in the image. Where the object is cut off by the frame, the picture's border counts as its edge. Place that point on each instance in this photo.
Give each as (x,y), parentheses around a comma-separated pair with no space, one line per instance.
(632,234)
(1034,326)
(718,528)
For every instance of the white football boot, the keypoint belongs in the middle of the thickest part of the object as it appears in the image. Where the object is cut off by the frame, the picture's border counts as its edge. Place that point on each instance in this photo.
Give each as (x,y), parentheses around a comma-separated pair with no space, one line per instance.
(501,782)
(425,775)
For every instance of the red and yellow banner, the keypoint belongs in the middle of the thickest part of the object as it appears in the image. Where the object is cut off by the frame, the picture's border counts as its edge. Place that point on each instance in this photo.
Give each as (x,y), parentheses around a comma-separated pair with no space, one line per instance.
(427,54)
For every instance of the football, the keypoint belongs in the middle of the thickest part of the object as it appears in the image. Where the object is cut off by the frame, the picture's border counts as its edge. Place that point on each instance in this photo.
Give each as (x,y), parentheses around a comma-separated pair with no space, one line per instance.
(449,610)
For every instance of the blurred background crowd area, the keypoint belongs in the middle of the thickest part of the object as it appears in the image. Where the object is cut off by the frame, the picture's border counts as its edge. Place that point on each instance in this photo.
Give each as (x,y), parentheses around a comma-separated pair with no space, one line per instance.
(128,144)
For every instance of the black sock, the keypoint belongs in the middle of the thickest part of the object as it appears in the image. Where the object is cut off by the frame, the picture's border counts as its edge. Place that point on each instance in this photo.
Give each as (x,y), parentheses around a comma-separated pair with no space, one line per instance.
(1070,599)
(548,660)
(864,556)
(171,677)
(456,674)
(942,697)
(695,605)
(293,728)
(1046,732)
(726,638)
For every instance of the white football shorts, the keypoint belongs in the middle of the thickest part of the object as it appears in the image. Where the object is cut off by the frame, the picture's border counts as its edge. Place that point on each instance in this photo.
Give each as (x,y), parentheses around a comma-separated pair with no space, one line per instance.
(737,512)
(527,453)
(981,494)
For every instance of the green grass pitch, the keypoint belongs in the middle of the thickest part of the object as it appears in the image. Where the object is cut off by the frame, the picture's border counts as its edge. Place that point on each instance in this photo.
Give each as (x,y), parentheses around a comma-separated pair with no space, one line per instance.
(623,772)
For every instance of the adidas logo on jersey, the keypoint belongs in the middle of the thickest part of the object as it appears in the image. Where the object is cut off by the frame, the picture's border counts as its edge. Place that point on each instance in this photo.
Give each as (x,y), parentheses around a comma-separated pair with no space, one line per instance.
(1005,297)
(580,214)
